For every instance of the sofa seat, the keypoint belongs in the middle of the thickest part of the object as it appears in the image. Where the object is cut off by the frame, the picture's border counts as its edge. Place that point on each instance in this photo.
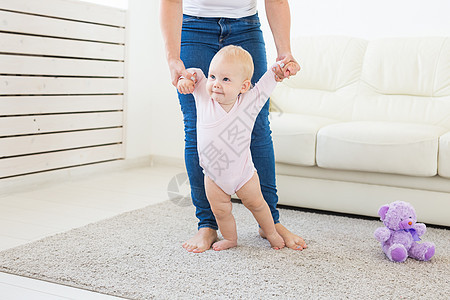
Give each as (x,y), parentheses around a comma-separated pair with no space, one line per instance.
(384,147)
(295,135)
(444,155)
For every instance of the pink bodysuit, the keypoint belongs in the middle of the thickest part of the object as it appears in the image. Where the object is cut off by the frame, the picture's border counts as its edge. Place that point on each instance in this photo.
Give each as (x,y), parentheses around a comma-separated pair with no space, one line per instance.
(223,139)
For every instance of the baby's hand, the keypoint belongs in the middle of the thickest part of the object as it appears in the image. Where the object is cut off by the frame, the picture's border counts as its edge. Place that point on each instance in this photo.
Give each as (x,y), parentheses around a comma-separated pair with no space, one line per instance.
(185,86)
(284,68)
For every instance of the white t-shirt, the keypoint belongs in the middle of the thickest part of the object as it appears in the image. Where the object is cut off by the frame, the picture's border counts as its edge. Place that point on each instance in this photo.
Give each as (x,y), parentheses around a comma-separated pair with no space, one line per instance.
(219,8)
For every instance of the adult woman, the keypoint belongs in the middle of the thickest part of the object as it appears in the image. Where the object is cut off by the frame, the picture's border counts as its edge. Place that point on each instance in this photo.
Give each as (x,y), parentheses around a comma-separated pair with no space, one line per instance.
(193,31)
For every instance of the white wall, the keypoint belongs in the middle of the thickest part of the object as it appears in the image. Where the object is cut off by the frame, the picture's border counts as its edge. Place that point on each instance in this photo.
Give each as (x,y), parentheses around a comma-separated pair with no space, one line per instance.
(123,4)
(155,125)
(371,19)
(365,18)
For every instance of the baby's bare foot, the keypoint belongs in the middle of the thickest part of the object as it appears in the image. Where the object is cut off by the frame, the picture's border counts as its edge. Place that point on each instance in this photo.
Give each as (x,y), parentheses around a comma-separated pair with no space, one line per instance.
(224,244)
(201,241)
(275,240)
(291,240)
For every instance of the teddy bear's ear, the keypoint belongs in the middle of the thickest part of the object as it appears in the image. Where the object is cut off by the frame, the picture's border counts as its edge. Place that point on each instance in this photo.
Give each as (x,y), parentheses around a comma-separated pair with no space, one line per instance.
(382,211)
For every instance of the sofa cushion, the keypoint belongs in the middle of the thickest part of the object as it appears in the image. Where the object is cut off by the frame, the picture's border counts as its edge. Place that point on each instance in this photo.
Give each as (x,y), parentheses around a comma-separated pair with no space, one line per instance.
(408,66)
(371,106)
(333,105)
(405,80)
(328,81)
(294,137)
(444,155)
(399,148)
(328,63)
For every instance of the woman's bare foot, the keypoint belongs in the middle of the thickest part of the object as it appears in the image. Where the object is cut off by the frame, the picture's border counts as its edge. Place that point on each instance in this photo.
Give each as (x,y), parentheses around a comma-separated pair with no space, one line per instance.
(291,240)
(276,241)
(201,241)
(224,245)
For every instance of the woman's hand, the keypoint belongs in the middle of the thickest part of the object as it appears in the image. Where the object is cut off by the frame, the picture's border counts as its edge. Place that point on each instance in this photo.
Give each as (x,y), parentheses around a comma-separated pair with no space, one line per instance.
(287,66)
(178,70)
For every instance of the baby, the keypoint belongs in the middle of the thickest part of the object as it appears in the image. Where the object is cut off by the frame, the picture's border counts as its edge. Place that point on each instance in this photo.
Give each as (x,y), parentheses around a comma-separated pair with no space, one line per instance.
(227,108)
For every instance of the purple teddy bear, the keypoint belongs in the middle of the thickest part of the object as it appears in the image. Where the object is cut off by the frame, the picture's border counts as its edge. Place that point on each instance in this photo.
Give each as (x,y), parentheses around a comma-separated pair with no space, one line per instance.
(399,238)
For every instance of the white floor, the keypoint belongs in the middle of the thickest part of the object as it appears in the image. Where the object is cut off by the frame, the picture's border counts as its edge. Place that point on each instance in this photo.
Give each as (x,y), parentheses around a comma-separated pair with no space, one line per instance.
(33,215)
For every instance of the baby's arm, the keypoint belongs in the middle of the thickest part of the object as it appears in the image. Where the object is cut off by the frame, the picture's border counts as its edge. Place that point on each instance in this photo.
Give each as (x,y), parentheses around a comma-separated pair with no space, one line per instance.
(260,93)
(264,87)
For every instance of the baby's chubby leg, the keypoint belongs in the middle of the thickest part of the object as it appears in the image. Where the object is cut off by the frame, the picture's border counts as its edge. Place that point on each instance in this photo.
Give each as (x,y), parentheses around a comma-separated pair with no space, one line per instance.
(221,207)
(251,196)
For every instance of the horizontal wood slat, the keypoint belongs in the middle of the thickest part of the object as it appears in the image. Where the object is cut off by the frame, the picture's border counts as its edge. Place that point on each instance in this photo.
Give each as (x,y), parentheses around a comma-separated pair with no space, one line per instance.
(30,65)
(57,123)
(37,25)
(58,141)
(61,159)
(25,105)
(69,9)
(36,45)
(18,85)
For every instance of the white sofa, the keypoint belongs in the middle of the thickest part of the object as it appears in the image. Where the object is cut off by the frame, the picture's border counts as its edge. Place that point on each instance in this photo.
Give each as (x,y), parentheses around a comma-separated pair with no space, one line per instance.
(365,123)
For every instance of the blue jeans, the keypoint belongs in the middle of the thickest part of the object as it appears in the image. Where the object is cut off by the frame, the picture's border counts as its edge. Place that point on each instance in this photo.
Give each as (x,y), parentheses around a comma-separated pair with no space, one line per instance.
(201,38)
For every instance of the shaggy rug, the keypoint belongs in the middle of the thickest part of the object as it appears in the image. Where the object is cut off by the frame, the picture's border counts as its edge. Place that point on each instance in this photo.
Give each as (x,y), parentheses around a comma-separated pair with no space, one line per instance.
(138,255)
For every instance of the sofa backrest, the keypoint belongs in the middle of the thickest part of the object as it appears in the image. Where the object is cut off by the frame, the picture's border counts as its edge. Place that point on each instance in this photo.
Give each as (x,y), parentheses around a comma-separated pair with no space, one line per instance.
(327,83)
(390,79)
(406,80)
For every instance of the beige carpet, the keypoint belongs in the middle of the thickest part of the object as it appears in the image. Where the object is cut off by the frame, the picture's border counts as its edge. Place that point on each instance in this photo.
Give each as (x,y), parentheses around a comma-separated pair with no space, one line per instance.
(138,255)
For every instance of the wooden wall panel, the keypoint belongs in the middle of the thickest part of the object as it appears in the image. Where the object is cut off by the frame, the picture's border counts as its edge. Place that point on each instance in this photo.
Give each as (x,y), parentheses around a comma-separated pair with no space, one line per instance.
(54,66)
(49,46)
(31,144)
(68,9)
(60,159)
(25,125)
(36,85)
(36,105)
(38,25)
(62,85)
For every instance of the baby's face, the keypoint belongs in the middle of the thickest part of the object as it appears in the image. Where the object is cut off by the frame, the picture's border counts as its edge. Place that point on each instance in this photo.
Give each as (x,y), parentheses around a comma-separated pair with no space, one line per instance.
(225,80)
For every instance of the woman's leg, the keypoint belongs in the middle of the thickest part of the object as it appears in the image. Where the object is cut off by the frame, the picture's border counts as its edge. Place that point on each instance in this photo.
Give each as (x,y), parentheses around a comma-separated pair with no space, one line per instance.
(197,49)
(222,207)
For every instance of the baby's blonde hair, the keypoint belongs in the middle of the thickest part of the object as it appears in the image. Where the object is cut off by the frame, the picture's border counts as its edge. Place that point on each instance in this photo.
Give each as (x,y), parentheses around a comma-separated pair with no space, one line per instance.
(240,55)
